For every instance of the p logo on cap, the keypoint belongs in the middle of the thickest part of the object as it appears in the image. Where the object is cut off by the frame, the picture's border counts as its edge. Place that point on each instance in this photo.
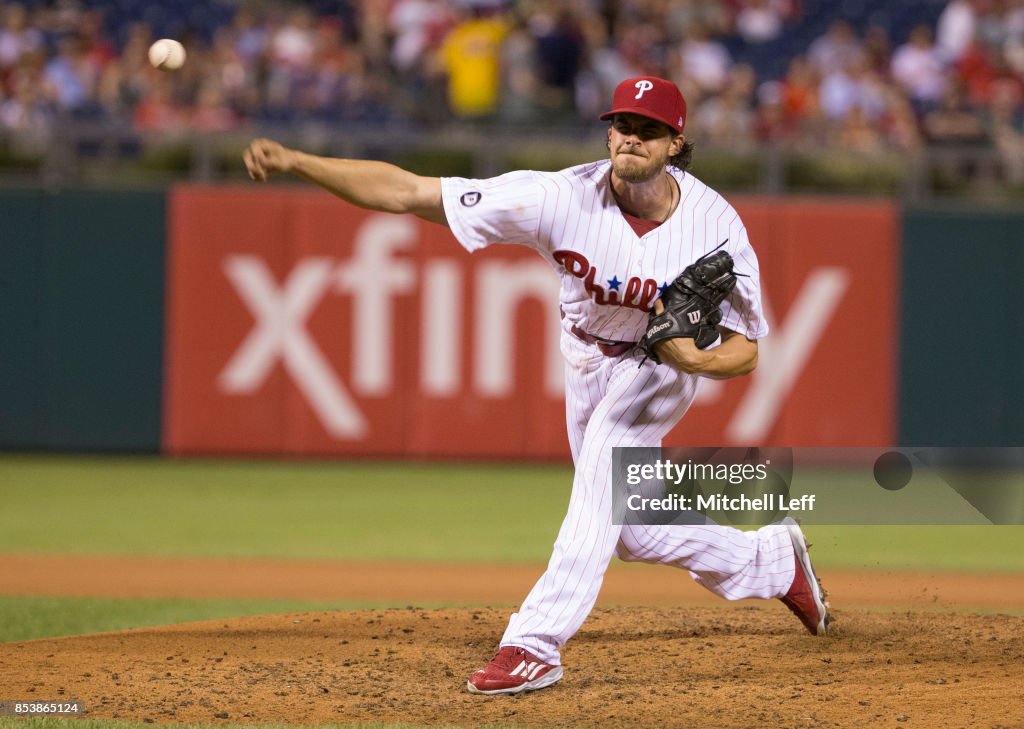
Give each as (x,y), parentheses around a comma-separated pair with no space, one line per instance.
(652,97)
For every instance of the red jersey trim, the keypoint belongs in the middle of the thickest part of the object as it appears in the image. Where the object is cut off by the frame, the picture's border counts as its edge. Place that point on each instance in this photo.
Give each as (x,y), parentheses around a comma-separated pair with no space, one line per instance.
(640,226)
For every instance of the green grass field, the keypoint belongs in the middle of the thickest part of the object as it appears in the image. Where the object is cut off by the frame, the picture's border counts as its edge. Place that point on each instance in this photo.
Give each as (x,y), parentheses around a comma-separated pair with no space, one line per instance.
(26,618)
(338,510)
(332,510)
(370,511)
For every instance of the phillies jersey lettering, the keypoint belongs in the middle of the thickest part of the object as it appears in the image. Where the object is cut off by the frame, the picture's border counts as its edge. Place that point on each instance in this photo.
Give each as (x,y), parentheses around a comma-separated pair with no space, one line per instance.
(637,295)
(609,277)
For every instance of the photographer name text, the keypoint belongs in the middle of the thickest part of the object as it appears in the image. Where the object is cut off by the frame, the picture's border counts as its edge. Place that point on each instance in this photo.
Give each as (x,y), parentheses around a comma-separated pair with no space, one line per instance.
(720,502)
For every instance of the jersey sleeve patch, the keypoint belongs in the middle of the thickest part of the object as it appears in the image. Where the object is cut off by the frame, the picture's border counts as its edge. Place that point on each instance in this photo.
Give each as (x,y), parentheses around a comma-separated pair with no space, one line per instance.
(504,209)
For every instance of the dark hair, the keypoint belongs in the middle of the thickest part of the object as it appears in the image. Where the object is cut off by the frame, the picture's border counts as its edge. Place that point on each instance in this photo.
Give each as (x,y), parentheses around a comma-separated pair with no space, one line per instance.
(684,158)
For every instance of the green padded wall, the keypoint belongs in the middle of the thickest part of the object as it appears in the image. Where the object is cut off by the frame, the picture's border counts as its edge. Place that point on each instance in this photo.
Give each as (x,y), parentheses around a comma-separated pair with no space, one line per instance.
(962,332)
(81,320)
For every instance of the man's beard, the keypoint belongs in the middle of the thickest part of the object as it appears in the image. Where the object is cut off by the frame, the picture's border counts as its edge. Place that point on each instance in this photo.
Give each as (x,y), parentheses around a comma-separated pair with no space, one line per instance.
(633,168)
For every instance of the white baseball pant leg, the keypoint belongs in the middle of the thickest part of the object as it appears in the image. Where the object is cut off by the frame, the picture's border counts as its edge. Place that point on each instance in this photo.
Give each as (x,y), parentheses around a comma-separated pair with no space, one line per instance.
(613,402)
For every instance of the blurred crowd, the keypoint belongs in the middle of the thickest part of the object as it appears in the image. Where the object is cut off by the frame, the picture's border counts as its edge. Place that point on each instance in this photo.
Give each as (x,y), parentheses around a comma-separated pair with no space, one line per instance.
(857,85)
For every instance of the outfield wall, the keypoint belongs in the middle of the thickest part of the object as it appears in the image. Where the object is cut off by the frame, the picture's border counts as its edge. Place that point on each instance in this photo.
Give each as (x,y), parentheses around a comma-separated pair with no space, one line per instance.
(81,312)
(962,353)
(297,325)
(300,325)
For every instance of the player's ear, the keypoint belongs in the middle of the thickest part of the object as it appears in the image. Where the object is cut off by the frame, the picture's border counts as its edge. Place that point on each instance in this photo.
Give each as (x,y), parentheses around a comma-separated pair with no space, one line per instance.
(677,145)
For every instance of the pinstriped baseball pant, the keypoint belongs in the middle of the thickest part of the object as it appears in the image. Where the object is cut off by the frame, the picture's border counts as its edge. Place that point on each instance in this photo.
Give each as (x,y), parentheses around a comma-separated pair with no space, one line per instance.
(612,402)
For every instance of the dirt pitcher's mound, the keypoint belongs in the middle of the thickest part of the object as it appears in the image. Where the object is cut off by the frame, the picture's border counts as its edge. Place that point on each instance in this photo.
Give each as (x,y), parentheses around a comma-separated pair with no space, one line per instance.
(724,667)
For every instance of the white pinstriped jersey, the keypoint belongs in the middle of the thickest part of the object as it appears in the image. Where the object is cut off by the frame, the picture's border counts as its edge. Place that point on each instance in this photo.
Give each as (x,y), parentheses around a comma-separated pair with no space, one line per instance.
(609,277)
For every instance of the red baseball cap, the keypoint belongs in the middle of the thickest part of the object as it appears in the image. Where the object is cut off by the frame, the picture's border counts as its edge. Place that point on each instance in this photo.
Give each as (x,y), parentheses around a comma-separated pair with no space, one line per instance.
(652,97)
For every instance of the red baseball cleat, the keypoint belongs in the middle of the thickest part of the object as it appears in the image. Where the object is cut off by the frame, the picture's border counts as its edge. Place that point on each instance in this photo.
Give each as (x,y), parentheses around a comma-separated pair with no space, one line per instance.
(806,597)
(512,671)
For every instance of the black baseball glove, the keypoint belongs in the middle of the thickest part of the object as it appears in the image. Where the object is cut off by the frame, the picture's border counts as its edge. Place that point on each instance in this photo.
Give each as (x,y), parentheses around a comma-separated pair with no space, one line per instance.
(692,304)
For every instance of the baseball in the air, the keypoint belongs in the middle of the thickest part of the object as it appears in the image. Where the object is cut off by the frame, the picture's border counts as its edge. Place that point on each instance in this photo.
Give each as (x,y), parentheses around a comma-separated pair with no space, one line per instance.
(167,54)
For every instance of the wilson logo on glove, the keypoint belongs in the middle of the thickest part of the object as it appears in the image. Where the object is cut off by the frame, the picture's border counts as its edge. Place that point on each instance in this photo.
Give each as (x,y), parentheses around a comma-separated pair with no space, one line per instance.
(660,327)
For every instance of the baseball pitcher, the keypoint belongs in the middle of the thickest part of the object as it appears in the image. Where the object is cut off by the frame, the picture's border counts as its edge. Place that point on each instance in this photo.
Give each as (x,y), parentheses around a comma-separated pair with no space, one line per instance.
(659,288)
